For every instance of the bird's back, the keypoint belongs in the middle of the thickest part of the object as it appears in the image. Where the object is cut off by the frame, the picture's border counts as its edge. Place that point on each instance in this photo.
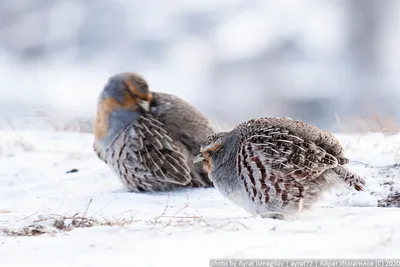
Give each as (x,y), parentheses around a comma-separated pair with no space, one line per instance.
(305,131)
(320,138)
(187,126)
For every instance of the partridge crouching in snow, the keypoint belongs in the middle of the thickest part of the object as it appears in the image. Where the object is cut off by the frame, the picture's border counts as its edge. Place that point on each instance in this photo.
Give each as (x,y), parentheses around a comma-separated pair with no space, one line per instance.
(275,166)
(149,139)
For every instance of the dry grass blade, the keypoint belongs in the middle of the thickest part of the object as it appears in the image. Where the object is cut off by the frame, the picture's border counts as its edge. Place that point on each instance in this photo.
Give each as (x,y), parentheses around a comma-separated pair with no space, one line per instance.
(5,211)
(55,223)
(22,142)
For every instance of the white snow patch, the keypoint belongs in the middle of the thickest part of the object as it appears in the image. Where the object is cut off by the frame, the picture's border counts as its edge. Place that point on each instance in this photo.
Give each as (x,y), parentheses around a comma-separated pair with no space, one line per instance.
(182,228)
(363,200)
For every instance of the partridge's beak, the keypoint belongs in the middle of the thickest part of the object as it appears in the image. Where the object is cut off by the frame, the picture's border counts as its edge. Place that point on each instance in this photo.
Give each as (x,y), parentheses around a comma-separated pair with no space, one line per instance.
(145,105)
(198,158)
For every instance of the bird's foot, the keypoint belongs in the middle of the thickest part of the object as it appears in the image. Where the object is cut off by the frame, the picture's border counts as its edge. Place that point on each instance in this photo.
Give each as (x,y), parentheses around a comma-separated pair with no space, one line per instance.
(301,205)
(273,215)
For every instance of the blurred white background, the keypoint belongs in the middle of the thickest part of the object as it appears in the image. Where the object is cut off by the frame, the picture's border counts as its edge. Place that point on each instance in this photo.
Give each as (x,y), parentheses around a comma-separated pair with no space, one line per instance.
(335,64)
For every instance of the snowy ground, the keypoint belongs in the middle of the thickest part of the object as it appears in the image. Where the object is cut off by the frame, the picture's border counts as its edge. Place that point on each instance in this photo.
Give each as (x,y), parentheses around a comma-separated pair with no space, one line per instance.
(184,228)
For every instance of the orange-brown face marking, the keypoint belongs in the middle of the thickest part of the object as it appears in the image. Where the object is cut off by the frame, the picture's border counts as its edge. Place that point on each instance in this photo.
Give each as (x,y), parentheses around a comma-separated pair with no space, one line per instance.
(132,88)
(106,107)
(212,148)
(208,161)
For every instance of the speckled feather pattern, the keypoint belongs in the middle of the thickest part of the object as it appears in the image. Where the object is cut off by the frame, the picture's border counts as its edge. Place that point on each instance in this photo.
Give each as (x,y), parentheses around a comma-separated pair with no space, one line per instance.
(281,165)
(146,158)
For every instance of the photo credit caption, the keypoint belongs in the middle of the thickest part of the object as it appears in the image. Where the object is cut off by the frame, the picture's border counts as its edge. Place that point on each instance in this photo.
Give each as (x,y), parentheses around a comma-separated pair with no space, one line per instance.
(304,263)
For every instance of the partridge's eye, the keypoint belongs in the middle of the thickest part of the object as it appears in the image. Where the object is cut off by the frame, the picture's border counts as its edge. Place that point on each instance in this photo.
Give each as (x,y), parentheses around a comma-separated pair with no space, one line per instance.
(132,94)
(219,149)
(153,103)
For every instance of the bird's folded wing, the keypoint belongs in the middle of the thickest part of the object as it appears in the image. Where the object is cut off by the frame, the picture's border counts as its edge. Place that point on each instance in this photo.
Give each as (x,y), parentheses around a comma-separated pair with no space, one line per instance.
(307,132)
(158,153)
(275,149)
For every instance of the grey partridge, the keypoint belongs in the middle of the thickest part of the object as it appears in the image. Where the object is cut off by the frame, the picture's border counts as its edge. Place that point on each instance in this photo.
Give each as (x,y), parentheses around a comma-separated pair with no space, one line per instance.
(275,166)
(149,139)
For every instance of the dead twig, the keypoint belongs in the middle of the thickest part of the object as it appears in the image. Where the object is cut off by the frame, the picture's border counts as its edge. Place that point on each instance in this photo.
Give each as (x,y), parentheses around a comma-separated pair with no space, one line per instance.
(84,214)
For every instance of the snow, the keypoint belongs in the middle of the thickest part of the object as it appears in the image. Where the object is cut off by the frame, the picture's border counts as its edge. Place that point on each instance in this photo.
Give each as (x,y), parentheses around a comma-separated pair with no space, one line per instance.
(182,228)
(363,200)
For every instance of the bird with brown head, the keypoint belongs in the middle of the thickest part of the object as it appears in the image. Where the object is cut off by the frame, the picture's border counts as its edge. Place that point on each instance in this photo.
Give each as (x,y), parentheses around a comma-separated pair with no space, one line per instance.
(148,138)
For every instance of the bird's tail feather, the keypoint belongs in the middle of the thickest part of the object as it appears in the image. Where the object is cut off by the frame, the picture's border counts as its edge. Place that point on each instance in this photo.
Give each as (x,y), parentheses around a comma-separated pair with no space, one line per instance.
(350,178)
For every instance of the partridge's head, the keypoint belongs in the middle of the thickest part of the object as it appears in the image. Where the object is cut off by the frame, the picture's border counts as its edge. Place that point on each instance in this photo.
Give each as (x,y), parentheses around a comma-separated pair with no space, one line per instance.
(127,91)
(211,151)
(122,100)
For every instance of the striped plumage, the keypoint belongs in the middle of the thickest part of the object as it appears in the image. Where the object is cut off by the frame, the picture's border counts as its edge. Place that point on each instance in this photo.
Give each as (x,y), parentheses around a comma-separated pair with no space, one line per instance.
(275,165)
(149,139)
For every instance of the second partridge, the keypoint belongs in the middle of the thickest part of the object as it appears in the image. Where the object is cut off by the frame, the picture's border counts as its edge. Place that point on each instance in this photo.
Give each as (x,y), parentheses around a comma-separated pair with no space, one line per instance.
(275,166)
